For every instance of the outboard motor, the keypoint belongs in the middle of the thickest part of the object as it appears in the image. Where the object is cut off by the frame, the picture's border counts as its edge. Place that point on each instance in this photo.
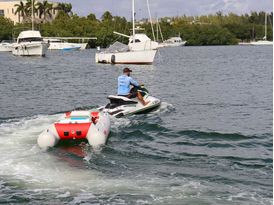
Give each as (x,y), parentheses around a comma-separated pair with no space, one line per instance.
(112,59)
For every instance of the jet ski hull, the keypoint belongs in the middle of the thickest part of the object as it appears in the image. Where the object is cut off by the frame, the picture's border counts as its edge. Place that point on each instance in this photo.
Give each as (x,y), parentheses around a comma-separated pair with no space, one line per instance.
(147,110)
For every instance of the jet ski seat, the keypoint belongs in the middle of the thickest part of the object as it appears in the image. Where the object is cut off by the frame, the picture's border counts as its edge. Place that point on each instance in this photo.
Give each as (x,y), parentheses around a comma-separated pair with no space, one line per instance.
(116,101)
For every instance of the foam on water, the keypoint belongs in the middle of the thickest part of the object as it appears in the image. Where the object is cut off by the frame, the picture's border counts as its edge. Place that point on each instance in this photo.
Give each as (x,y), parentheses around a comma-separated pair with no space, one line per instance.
(22,160)
(25,164)
(165,107)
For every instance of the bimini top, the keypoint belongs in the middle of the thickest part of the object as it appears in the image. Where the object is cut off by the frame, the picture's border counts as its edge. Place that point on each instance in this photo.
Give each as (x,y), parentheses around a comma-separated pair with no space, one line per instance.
(29,34)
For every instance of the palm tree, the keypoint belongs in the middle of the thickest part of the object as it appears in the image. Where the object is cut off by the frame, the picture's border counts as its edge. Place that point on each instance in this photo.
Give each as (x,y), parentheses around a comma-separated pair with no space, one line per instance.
(107,16)
(67,8)
(28,8)
(44,9)
(20,10)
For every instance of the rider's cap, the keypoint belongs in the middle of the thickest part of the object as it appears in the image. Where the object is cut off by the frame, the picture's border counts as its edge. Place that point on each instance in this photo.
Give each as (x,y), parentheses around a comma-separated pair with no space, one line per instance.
(127,70)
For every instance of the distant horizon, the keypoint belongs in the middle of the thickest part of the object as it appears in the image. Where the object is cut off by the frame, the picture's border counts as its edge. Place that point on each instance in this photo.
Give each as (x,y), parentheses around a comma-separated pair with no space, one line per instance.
(164,8)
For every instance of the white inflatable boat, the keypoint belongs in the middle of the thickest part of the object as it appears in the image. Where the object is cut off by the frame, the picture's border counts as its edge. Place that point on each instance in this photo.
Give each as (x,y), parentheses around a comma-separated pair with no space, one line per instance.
(91,125)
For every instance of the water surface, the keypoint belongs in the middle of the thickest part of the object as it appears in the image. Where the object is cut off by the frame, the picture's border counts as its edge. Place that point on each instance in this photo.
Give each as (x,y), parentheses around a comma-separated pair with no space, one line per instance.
(209,143)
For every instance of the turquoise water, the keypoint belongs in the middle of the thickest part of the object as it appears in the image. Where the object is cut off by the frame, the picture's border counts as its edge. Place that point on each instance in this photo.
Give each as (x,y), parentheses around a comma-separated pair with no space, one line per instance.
(209,143)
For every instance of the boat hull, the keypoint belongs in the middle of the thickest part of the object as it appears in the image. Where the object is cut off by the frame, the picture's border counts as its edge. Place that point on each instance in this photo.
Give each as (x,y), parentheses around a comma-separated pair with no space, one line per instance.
(261,43)
(30,49)
(130,57)
(67,46)
(71,49)
(162,45)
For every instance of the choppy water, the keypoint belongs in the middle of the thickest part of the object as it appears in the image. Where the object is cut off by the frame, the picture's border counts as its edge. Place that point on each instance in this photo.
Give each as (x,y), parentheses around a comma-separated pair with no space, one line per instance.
(209,143)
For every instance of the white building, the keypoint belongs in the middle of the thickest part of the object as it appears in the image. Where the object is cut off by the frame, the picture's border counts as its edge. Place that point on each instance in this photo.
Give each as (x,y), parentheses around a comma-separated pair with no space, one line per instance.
(8,10)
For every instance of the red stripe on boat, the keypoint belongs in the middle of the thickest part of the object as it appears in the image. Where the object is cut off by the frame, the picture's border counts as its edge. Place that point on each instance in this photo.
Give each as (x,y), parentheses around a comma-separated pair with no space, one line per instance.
(72,130)
(95,114)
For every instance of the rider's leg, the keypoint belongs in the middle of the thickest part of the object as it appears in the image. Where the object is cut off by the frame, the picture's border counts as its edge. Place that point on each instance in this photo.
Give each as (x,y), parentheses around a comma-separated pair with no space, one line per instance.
(140,97)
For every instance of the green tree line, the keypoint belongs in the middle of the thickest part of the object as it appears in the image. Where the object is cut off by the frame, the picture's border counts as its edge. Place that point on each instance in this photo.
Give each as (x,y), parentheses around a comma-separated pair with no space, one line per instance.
(215,29)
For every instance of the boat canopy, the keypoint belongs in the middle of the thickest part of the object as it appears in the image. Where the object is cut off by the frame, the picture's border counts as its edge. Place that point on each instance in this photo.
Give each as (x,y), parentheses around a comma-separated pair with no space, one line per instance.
(117,47)
(140,37)
(30,34)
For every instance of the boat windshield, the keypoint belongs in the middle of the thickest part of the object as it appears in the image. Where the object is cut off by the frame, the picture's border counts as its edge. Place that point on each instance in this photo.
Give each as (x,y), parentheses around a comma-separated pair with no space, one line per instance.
(136,41)
(30,39)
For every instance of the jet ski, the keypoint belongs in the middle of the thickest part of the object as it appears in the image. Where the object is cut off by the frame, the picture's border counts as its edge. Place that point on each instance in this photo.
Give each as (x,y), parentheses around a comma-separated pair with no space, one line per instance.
(120,106)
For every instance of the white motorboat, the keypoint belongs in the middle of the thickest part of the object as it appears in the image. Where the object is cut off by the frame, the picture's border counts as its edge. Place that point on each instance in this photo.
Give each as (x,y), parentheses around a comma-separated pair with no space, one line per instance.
(5,46)
(121,106)
(172,42)
(29,43)
(140,49)
(59,44)
(93,126)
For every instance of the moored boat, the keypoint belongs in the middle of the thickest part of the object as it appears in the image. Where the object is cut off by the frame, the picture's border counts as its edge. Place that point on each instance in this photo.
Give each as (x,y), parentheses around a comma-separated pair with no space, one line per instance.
(133,53)
(172,42)
(140,49)
(6,46)
(59,44)
(29,43)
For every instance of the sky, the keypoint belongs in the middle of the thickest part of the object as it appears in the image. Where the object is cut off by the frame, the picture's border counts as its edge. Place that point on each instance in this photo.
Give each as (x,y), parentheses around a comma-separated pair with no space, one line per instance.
(168,7)
(162,8)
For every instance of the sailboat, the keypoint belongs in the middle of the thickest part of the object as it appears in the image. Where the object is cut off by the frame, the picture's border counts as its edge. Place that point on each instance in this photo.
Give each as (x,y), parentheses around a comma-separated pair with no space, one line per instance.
(30,43)
(140,49)
(263,42)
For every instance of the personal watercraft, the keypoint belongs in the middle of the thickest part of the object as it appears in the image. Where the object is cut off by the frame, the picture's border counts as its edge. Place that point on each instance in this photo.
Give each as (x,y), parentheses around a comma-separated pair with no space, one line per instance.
(77,125)
(120,106)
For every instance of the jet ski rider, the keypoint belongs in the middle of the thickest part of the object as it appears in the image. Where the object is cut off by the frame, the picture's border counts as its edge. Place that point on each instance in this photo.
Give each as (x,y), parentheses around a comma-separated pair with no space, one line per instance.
(124,82)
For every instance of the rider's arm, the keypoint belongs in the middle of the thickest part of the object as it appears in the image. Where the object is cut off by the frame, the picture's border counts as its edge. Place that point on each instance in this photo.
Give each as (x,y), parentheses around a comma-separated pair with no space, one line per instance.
(133,82)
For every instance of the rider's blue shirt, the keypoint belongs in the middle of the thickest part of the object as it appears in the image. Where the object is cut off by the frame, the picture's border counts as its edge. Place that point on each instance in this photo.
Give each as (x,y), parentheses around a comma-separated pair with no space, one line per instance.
(124,83)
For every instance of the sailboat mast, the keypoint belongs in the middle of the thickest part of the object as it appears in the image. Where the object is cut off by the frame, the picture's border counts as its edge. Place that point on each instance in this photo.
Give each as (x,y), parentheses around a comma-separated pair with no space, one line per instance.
(32,15)
(150,19)
(133,21)
(160,31)
(265,26)
(157,30)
